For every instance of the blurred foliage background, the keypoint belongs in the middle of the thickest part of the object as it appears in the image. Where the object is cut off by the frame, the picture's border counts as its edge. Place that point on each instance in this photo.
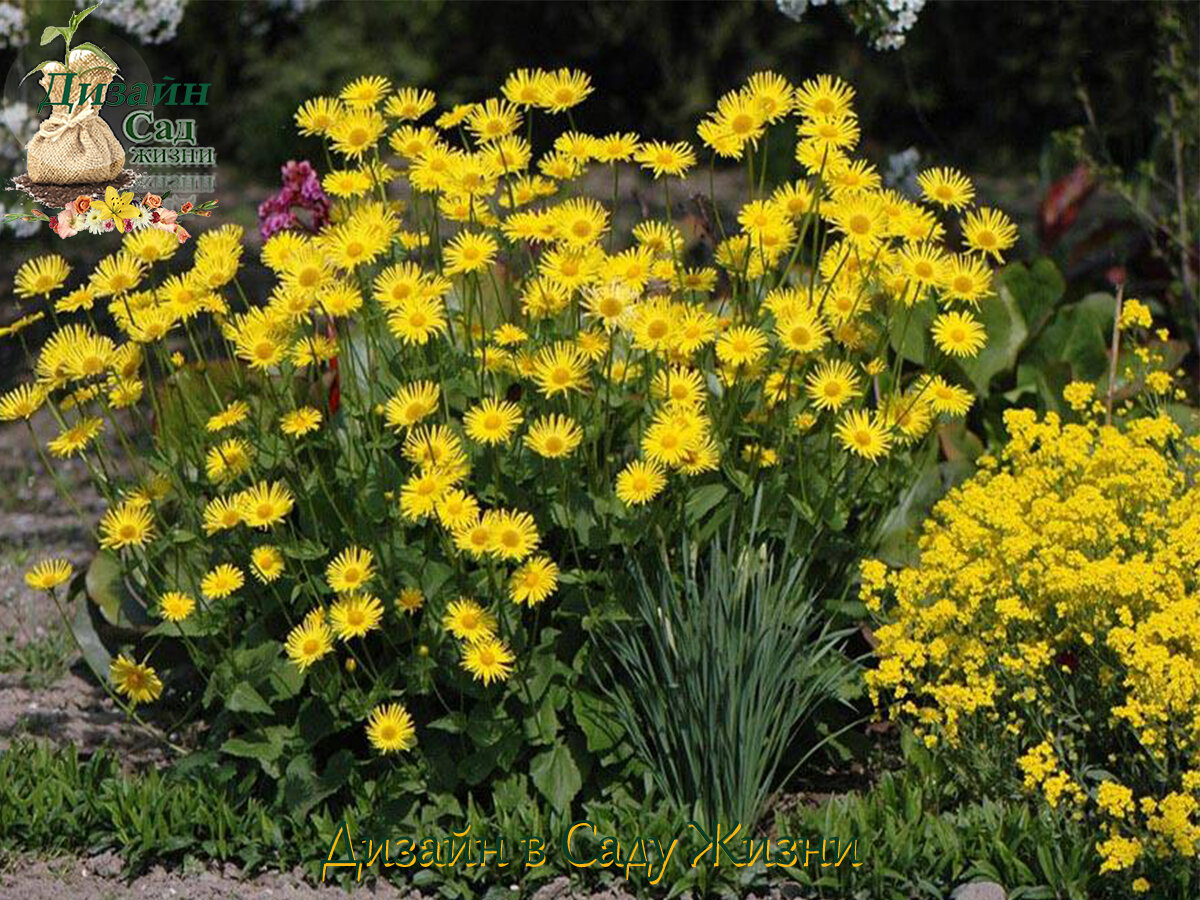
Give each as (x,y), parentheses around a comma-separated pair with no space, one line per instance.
(983,84)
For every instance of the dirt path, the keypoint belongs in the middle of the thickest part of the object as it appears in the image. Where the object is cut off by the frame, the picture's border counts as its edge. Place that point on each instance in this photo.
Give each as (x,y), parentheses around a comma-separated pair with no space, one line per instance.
(99,878)
(39,694)
(35,522)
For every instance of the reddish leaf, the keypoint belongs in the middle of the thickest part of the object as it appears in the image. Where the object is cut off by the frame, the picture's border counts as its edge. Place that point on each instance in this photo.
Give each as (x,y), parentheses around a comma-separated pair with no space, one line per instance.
(1061,205)
(335,384)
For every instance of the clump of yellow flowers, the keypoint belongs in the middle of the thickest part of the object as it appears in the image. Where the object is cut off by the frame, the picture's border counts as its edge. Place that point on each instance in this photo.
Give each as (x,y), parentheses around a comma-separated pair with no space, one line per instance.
(467,394)
(1051,623)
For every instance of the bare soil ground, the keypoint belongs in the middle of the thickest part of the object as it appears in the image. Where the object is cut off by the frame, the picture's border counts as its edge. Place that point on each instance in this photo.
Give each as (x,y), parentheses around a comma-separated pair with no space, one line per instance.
(99,879)
(41,692)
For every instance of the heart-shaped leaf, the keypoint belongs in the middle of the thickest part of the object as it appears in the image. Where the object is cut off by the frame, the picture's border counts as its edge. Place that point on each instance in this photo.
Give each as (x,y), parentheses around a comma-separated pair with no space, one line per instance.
(556,776)
(246,699)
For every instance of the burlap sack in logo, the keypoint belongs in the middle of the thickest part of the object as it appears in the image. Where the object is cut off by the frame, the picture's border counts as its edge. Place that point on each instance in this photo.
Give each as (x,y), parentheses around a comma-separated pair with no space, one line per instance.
(74,145)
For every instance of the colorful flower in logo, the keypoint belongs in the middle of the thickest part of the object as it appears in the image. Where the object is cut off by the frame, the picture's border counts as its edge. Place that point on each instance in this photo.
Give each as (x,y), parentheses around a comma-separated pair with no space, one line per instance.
(115,206)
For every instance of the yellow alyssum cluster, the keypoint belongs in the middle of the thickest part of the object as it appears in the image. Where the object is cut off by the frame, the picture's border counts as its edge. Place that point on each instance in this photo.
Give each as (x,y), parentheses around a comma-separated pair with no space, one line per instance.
(1054,607)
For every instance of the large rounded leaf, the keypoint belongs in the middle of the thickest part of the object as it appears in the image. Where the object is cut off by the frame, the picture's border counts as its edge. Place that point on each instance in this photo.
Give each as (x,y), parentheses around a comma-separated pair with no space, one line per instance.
(1006,333)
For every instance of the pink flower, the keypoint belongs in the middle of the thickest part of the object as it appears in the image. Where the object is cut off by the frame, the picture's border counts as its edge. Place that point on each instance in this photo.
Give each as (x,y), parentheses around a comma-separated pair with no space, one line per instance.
(186,208)
(181,233)
(301,190)
(109,225)
(63,224)
(167,216)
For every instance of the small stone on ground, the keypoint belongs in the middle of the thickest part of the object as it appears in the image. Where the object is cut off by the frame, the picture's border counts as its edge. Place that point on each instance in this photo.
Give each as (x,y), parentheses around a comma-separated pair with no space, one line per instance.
(979,890)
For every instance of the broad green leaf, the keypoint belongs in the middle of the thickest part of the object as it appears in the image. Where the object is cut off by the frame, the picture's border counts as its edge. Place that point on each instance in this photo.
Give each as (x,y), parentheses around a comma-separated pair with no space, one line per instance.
(298,785)
(52,31)
(246,699)
(1186,417)
(302,789)
(95,654)
(739,478)
(265,745)
(285,680)
(484,728)
(433,576)
(1087,342)
(1046,380)
(305,549)
(454,723)
(476,766)
(556,776)
(958,442)
(541,727)
(257,662)
(595,719)
(1006,333)
(908,331)
(107,587)
(703,499)
(314,721)
(1079,336)
(1037,289)
(511,792)
(195,625)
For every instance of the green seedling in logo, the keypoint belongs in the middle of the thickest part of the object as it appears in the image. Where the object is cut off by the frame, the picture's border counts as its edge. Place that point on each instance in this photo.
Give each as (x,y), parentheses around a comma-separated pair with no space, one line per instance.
(67,33)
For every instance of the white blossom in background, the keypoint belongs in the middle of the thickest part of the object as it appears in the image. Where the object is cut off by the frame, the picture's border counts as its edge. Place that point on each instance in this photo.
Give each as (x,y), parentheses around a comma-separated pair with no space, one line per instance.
(151,21)
(12,25)
(157,21)
(295,7)
(886,22)
(795,9)
(20,121)
(901,172)
(904,17)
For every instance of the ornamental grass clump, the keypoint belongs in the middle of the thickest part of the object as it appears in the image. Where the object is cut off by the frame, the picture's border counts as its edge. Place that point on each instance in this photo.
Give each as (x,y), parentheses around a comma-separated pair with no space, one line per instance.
(380,507)
(1048,636)
(724,663)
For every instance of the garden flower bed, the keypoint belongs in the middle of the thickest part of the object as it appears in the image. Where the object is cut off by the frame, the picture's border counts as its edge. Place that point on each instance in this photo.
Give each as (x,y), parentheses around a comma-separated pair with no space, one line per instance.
(506,508)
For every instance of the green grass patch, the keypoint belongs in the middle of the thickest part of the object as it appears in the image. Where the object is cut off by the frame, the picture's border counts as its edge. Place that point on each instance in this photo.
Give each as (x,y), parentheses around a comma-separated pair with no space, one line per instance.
(39,662)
